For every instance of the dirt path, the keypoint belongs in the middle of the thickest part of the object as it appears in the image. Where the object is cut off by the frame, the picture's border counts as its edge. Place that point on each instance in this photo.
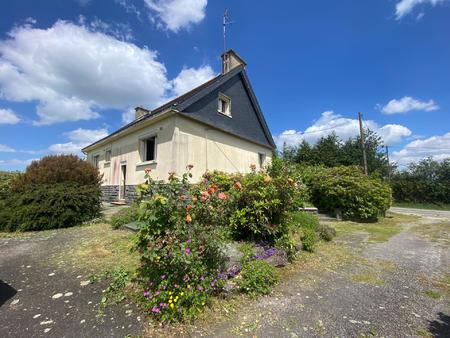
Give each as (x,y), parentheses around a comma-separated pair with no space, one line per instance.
(43,294)
(392,289)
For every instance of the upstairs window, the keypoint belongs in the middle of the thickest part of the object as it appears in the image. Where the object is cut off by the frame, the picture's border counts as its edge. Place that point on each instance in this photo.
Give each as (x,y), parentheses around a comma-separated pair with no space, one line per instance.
(108,156)
(96,161)
(149,149)
(224,105)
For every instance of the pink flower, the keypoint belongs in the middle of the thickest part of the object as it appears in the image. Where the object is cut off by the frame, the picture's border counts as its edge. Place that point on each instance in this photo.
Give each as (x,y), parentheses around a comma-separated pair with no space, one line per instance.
(205,195)
(147,170)
(156,310)
(146,293)
(238,185)
(187,251)
(222,196)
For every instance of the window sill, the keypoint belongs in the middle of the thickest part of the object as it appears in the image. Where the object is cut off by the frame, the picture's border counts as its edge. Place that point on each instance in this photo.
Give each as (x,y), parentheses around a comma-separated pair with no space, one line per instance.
(140,164)
(223,114)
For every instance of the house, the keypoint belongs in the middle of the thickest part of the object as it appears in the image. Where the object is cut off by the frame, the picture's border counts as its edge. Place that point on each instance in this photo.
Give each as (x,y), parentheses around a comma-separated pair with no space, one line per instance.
(216,126)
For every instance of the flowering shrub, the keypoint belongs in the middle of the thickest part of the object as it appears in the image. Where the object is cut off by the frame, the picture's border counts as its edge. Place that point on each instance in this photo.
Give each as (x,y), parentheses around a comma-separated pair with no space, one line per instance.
(264,200)
(258,277)
(180,246)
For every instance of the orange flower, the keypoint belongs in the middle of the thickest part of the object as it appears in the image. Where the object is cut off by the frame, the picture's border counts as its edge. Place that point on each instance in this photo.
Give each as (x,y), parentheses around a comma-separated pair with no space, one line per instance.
(189,207)
(205,195)
(194,199)
(252,167)
(267,179)
(188,218)
(238,185)
(222,196)
(147,170)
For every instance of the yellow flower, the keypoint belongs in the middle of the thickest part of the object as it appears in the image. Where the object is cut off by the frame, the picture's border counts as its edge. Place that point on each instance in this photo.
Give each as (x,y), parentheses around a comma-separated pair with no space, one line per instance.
(176,299)
(170,292)
(170,301)
(182,294)
(171,306)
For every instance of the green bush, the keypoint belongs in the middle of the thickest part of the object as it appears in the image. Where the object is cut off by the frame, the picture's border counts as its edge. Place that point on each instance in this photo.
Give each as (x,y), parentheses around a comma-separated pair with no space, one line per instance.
(257,278)
(264,202)
(124,216)
(59,169)
(326,232)
(347,189)
(427,181)
(248,252)
(6,180)
(309,239)
(305,219)
(42,207)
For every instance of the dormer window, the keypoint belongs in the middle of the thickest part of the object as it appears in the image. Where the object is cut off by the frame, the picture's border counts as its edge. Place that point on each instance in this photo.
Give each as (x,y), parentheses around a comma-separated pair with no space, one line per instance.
(224,105)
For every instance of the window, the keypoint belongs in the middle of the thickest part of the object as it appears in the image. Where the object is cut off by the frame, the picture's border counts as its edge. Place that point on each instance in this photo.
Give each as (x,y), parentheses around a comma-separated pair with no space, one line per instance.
(96,161)
(108,156)
(262,159)
(224,105)
(149,149)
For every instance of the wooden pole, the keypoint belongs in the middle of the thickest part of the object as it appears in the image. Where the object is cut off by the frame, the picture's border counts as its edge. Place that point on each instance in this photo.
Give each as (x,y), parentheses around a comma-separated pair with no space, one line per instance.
(363,146)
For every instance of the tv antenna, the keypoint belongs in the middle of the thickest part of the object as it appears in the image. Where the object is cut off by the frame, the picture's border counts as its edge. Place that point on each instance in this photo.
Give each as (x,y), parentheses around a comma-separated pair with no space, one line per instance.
(226,21)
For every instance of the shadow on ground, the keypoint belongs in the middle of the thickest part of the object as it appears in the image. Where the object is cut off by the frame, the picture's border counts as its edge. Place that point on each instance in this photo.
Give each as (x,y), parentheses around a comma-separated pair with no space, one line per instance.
(440,327)
(6,292)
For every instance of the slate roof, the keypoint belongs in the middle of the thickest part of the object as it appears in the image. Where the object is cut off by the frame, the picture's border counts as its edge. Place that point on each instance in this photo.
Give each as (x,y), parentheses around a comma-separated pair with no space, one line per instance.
(184,101)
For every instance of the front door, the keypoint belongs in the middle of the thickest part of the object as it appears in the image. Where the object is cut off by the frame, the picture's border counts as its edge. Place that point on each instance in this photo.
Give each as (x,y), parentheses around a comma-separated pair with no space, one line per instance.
(123,181)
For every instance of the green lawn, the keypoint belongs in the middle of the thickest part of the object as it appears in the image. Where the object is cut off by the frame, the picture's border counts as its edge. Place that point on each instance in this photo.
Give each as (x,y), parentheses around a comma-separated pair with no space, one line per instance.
(428,206)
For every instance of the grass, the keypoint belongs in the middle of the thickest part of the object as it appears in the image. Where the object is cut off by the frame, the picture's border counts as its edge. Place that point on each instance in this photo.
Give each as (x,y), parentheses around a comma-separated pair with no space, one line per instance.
(428,206)
(436,232)
(98,249)
(378,232)
(368,277)
(432,294)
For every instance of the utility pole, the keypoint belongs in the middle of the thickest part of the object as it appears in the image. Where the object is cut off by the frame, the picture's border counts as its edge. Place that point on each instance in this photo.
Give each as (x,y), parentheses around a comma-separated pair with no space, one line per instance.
(363,143)
(389,163)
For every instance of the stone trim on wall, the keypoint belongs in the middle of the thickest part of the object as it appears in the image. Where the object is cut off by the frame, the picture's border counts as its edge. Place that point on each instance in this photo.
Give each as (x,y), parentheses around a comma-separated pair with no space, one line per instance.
(110,193)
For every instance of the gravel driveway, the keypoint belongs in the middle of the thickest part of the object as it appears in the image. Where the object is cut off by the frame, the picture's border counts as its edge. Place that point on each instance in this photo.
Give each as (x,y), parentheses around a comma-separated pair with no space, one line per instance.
(389,289)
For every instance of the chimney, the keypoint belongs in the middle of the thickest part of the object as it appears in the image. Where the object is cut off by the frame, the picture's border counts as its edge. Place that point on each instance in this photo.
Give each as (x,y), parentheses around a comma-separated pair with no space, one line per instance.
(140,112)
(231,60)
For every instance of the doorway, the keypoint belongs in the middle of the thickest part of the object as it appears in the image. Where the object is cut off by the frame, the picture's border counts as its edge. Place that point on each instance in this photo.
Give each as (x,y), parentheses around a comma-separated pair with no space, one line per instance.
(123,182)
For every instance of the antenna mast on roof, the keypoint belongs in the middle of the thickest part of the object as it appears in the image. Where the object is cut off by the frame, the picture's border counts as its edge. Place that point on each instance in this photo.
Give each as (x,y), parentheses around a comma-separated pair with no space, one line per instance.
(226,22)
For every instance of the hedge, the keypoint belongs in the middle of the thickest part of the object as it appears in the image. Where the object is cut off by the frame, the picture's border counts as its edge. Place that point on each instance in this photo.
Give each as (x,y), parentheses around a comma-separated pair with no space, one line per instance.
(45,206)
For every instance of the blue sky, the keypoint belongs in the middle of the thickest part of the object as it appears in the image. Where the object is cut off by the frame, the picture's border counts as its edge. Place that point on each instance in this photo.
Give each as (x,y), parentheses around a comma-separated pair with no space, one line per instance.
(71,71)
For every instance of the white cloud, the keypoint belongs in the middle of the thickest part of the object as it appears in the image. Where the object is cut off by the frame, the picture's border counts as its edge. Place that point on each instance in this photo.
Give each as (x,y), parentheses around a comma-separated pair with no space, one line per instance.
(177,14)
(14,163)
(190,78)
(436,146)
(404,7)
(344,128)
(406,104)
(7,116)
(78,139)
(6,149)
(74,71)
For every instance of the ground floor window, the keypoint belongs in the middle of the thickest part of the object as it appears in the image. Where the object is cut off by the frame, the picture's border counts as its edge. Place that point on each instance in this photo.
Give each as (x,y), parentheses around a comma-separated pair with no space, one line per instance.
(148,149)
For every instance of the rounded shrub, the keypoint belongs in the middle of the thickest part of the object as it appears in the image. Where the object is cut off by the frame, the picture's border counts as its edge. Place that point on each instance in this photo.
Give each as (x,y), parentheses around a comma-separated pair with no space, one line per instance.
(54,192)
(42,207)
(347,189)
(309,239)
(258,278)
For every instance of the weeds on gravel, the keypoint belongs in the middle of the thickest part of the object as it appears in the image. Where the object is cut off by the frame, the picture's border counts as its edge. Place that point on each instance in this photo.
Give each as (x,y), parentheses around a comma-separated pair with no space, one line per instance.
(378,232)
(436,232)
(368,277)
(432,294)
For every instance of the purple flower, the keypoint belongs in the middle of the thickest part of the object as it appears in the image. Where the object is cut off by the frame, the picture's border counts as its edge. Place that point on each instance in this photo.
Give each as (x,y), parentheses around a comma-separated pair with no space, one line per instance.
(146,293)
(164,287)
(163,277)
(187,251)
(175,286)
(157,293)
(202,277)
(156,310)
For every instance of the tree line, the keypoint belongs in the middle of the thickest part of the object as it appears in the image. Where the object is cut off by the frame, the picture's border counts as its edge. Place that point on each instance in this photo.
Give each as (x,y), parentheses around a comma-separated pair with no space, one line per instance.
(426,181)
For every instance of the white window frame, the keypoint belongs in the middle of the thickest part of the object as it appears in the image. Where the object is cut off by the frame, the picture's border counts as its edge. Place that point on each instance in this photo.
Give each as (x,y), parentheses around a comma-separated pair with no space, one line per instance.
(96,160)
(143,148)
(227,100)
(110,155)
(262,156)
